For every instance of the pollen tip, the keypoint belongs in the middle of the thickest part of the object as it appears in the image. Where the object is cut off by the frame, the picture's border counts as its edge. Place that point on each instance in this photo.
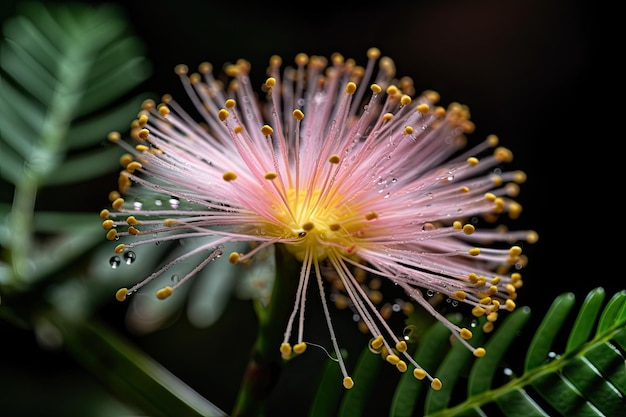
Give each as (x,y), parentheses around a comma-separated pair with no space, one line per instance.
(299,348)
(164,292)
(348,383)
(436,384)
(419,373)
(480,352)
(233,258)
(121,294)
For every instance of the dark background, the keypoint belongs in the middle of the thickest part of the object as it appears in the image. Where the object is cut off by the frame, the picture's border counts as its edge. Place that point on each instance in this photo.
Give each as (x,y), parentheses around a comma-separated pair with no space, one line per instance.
(533,72)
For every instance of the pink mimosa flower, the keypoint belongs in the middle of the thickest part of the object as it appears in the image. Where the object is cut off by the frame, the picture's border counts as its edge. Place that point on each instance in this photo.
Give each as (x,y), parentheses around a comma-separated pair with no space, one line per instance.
(348,169)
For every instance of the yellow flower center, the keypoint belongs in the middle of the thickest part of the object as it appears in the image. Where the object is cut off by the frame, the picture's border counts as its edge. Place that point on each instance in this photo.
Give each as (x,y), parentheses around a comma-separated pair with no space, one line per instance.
(318,222)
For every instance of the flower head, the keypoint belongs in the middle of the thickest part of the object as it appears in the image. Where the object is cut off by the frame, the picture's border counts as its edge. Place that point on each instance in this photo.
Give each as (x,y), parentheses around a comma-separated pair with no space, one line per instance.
(348,169)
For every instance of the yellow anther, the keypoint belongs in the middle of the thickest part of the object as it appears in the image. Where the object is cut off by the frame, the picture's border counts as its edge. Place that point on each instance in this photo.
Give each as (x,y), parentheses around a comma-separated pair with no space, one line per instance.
(141,148)
(472,277)
(107,224)
(121,294)
(350,88)
(405,100)
(181,69)
(233,258)
(387,117)
(267,130)
(133,231)
(222,114)
(376,89)
(486,301)
(238,129)
(126,159)
(457,225)
(118,203)
(474,251)
(423,108)
(490,197)
(392,90)
(373,53)
(270,82)
(114,136)
(308,226)
(401,346)
(297,114)
(229,176)
(205,67)
(510,304)
(131,220)
(419,373)
(468,229)
(464,189)
(478,311)
(377,343)
(230,103)
(392,359)
(436,384)
(371,215)
(408,130)
(460,295)
(348,383)
(503,154)
(164,110)
(493,316)
(143,134)
(104,214)
(120,248)
(493,140)
(170,222)
(334,227)
(488,327)
(299,348)
(401,366)
(142,119)
(515,251)
(495,280)
(465,333)
(271,176)
(111,234)
(479,352)
(472,161)
(334,159)
(285,350)
(164,292)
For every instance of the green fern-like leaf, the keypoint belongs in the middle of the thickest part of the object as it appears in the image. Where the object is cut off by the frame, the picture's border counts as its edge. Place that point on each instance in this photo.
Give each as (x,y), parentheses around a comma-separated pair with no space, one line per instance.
(587,378)
(68,73)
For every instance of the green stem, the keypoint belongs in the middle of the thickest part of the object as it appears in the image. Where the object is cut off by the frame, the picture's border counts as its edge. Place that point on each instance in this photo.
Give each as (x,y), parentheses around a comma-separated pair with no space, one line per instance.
(265,361)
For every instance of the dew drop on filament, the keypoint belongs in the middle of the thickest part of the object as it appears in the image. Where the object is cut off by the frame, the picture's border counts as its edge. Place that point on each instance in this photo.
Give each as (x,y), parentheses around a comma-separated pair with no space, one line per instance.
(175,278)
(115,261)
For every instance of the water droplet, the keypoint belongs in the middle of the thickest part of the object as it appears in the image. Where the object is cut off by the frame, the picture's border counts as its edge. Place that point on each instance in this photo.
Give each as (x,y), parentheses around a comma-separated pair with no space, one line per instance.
(394,180)
(174,202)
(137,205)
(507,371)
(356,317)
(455,303)
(115,261)
(158,202)
(130,257)
(474,323)
(175,278)
(430,293)
(396,307)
